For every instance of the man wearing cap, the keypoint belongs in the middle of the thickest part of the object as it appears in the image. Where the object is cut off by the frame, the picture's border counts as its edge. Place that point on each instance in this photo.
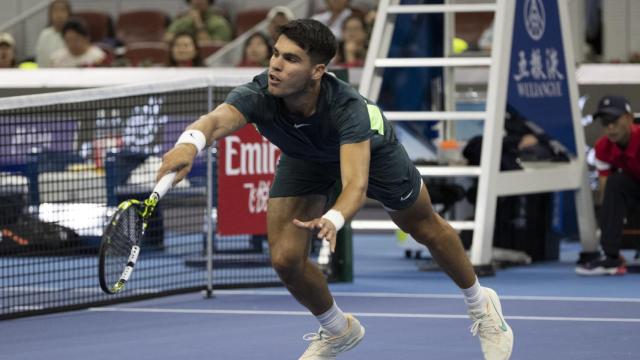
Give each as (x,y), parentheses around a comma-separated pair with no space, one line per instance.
(618,165)
(7,50)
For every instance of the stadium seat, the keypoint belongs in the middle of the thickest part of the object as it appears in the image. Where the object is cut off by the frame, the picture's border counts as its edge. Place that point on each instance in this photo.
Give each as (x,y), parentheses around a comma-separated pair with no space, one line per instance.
(246,19)
(208,48)
(99,24)
(147,54)
(141,26)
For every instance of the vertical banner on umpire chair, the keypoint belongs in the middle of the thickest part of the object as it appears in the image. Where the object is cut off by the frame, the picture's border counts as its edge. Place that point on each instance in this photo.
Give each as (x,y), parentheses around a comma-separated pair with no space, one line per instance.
(246,165)
(538,82)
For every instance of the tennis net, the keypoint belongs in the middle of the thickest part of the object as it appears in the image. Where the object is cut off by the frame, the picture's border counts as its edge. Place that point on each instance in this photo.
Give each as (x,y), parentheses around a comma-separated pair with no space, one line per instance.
(67,159)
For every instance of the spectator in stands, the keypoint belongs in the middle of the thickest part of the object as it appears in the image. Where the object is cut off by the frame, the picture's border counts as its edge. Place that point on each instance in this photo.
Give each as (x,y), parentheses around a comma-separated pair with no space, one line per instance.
(185,51)
(203,21)
(7,51)
(618,164)
(370,19)
(50,39)
(78,50)
(278,16)
(352,50)
(257,51)
(337,11)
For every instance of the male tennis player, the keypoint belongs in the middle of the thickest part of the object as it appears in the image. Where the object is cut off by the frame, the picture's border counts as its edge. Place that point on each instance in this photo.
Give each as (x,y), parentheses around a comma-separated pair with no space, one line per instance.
(328,132)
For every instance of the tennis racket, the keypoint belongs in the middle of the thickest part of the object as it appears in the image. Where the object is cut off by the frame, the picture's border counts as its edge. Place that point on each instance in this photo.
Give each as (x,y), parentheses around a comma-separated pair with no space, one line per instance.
(121,240)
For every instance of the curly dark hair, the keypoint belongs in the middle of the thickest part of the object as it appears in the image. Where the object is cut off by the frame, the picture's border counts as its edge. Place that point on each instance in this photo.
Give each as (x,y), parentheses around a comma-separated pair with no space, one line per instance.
(313,37)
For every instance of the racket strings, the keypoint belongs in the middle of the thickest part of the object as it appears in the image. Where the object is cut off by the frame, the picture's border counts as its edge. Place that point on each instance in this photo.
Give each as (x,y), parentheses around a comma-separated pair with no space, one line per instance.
(125,232)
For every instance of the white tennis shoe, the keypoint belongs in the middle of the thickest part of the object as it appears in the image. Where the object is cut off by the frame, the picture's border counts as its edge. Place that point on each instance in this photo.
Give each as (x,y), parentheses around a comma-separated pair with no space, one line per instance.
(324,347)
(496,337)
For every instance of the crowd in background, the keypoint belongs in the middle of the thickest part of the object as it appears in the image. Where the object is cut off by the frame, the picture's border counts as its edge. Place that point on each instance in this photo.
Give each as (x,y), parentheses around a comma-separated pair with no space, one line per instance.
(67,40)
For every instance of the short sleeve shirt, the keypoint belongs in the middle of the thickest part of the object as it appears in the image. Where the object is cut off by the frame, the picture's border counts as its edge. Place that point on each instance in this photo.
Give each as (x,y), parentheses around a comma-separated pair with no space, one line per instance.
(342,116)
(63,58)
(611,157)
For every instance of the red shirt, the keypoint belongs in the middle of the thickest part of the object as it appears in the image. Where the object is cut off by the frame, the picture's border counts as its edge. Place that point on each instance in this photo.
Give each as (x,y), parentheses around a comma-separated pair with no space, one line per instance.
(610,156)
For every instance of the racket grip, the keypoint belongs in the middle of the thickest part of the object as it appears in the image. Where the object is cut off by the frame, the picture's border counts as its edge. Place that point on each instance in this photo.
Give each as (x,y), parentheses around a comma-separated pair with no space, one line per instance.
(164,184)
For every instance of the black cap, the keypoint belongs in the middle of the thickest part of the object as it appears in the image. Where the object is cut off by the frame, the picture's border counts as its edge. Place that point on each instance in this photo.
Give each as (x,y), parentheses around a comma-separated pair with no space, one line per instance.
(611,107)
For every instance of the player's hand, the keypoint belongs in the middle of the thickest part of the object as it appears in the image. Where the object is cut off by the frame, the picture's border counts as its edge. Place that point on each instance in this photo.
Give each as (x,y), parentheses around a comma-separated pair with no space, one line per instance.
(326,229)
(178,159)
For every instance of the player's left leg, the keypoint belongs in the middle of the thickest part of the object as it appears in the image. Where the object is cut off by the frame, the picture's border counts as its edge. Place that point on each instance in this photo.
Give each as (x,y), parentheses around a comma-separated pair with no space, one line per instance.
(428,228)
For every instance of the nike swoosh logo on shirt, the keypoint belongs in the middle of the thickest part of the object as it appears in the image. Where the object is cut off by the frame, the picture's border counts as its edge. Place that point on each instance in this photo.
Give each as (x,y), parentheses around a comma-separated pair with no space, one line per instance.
(403,198)
(297,126)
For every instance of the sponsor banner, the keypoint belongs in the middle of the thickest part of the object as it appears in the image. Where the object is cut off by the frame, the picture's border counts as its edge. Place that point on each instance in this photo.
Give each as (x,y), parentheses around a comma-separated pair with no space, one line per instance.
(538,83)
(21,137)
(246,166)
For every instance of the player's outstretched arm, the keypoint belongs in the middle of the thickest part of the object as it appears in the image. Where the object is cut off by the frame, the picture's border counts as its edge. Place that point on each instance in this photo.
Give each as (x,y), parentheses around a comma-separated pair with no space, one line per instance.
(222,121)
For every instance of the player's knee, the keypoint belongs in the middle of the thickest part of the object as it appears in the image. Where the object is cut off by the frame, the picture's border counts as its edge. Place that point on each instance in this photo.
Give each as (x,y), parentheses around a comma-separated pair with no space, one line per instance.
(286,265)
(429,231)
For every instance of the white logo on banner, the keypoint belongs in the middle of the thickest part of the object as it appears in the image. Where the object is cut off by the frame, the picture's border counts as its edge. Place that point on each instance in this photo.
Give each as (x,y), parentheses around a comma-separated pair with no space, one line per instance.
(534,18)
(538,74)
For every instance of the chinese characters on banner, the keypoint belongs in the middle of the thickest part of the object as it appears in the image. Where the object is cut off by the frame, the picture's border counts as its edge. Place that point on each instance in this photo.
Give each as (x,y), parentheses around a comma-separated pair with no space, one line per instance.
(538,84)
(246,165)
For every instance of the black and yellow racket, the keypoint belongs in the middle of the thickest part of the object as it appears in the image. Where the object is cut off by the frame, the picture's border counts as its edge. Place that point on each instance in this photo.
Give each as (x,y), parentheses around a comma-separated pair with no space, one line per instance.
(121,240)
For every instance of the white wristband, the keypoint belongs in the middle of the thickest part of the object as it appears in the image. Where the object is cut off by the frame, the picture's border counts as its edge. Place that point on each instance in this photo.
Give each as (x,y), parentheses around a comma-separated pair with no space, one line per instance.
(335,217)
(194,137)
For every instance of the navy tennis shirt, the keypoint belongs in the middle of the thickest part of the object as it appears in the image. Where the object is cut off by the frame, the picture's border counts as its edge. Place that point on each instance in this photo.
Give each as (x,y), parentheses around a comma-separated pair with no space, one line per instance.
(342,116)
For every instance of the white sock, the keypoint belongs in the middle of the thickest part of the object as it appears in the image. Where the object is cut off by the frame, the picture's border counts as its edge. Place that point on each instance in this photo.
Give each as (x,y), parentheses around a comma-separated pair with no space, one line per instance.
(333,321)
(474,296)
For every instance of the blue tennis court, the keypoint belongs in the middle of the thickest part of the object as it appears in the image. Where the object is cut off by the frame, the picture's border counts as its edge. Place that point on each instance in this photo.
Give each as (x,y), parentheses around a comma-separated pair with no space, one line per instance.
(407,313)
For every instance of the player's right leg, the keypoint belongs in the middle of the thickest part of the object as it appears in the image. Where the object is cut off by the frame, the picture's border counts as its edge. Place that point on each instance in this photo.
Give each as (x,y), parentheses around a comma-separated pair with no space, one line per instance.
(299,192)
(289,247)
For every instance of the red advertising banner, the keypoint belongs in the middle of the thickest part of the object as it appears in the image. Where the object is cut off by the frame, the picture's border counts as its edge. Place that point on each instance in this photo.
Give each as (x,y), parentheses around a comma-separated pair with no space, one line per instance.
(246,166)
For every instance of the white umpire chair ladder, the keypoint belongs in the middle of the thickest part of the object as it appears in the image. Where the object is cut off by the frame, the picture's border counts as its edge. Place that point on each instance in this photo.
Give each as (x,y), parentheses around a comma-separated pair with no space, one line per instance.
(491,182)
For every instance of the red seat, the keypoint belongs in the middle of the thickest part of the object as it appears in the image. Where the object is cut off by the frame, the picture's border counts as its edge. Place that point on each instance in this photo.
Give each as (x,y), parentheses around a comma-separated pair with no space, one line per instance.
(207,49)
(141,26)
(147,54)
(98,23)
(246,19)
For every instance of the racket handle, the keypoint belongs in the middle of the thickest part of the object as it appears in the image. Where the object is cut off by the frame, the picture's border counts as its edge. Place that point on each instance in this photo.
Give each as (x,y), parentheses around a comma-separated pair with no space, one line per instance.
(164,184)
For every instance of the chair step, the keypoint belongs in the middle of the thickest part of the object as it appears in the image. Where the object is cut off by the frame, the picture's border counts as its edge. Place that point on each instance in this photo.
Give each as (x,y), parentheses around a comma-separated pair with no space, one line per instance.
(449,171)
(434,115)
(432,62)
(390,225)
(427,9)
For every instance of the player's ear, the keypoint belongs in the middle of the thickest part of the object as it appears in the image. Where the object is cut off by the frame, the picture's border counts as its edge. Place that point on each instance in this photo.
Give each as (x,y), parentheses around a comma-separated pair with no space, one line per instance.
(318,70)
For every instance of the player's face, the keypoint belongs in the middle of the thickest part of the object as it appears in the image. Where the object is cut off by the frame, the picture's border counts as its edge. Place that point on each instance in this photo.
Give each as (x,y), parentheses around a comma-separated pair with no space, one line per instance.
(290,69)
(619,130)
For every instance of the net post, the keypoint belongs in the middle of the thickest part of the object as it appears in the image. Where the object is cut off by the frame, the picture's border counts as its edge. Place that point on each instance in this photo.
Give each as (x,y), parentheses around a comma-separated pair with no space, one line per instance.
(209,221)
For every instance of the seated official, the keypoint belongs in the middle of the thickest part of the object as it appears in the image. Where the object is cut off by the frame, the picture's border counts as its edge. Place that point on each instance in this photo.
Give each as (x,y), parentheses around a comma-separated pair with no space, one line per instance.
(618,164)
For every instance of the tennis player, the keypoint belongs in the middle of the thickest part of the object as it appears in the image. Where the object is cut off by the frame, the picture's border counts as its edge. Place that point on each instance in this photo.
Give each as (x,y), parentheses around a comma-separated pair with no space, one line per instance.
(328,132)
